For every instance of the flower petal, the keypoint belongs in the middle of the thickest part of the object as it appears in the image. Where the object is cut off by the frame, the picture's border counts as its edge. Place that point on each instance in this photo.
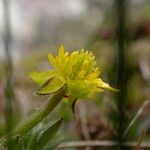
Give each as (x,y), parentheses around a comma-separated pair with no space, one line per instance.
(52,86)
(42,77)
(102,84)
(107,86)
(61,51)
(52,59)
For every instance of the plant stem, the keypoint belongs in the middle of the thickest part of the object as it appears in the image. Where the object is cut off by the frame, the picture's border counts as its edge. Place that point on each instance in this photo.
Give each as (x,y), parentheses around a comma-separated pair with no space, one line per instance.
(121,99)
(39,115)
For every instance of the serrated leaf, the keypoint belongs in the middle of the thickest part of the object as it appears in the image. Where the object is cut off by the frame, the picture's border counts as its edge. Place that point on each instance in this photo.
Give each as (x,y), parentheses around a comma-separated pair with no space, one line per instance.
(51,86)
(42,77)
(47,135)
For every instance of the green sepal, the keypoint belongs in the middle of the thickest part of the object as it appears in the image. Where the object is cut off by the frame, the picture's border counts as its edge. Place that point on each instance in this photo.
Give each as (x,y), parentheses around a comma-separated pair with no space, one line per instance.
(51,86)
(78,89)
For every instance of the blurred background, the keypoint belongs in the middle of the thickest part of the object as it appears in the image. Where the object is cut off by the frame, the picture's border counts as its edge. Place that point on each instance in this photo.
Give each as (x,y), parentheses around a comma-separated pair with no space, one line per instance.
(39,27)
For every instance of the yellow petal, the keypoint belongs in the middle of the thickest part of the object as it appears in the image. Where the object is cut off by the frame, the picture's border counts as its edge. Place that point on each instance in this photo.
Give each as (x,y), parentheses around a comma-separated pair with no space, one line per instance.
(52,59)
(85,65)
(81,74)
(107,86)
(61,51)
(42,77)
(71,61)
(102,84)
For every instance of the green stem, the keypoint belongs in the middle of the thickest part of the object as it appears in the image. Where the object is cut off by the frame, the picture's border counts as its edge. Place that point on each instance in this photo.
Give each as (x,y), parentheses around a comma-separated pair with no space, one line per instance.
(39,115)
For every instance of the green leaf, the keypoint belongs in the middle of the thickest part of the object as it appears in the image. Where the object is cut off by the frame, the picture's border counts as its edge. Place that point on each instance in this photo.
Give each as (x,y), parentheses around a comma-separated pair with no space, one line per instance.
(52,144)
(19,146)
(51,86)
(32,141)
(47,135)
(42,77)
(2,131)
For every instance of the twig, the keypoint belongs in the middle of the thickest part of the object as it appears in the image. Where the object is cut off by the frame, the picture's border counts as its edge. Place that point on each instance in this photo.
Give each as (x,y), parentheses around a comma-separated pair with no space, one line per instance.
(101,144)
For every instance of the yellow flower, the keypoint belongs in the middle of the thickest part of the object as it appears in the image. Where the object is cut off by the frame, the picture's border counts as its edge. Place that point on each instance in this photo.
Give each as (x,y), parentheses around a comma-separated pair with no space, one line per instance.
(77,70)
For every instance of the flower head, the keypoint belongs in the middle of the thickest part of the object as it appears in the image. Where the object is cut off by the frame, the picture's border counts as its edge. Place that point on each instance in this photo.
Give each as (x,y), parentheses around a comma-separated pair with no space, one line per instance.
(77,70)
